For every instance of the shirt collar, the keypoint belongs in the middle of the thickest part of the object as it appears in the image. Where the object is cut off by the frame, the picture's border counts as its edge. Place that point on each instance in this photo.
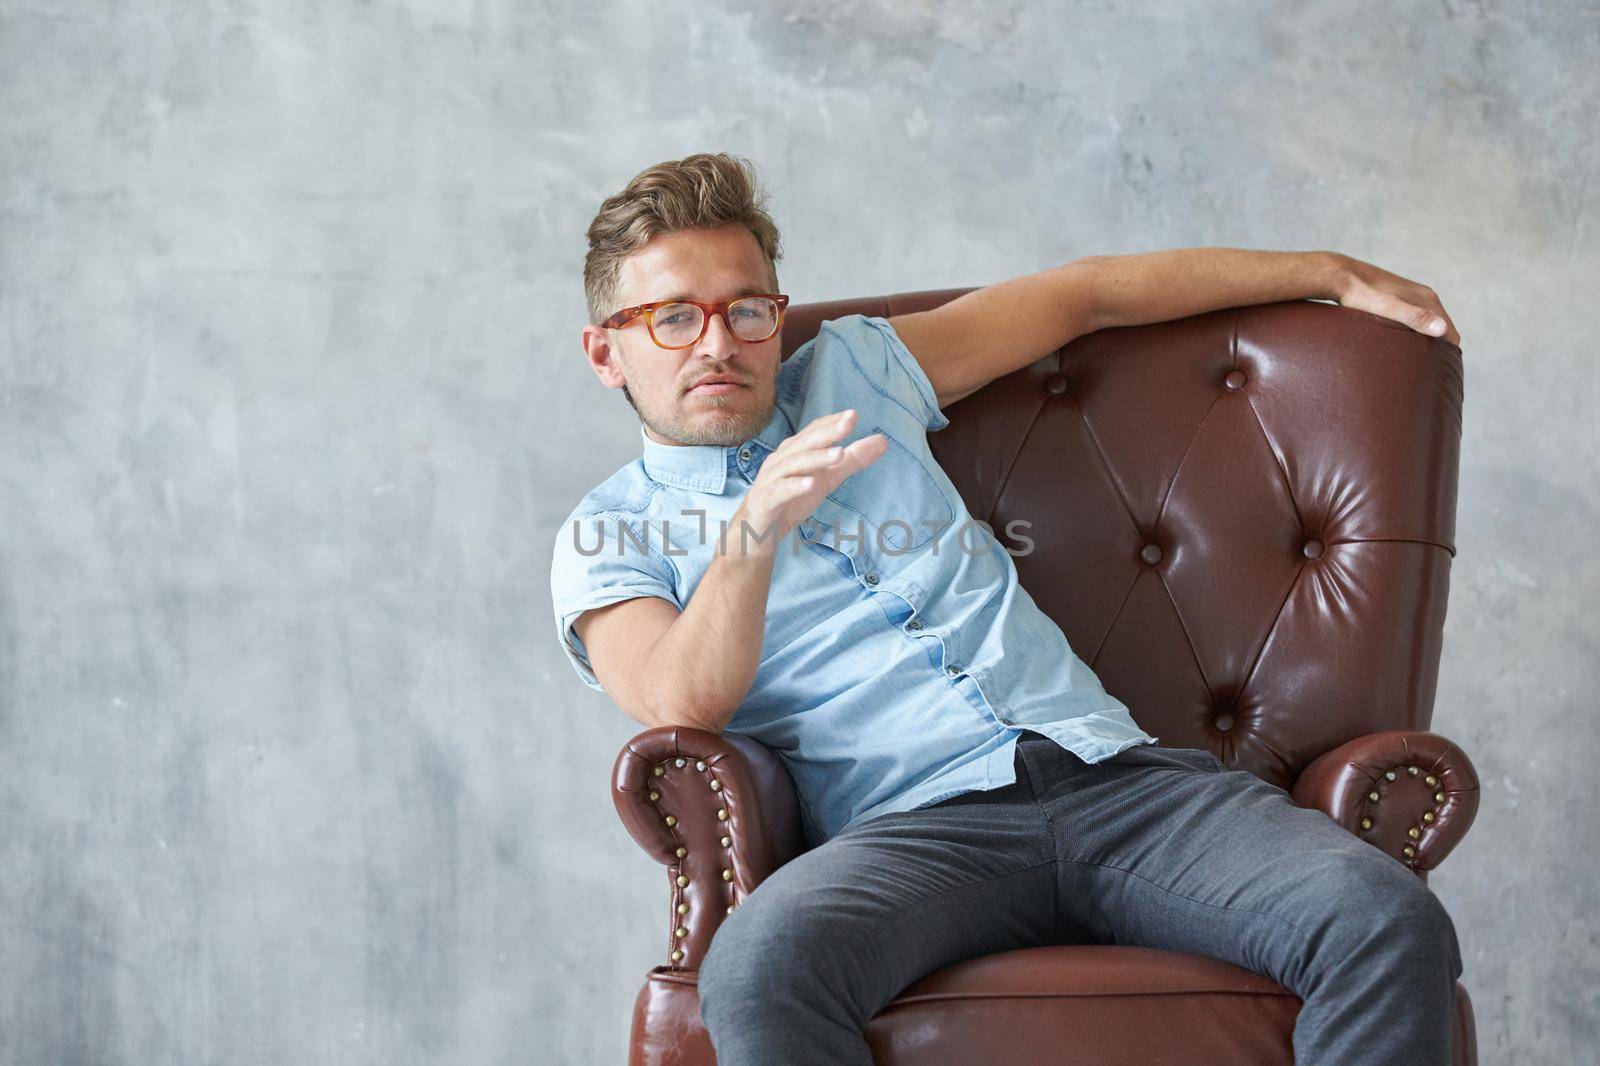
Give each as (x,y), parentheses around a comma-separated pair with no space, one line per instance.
(705,467)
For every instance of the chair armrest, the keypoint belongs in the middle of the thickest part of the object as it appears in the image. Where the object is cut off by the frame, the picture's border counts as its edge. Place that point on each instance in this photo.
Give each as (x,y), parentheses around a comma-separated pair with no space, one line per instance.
(1409,793)
(718,810)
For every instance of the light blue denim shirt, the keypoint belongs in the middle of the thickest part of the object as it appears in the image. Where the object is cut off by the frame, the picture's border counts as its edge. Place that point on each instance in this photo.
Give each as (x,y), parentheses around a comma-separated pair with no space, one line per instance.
(901,657)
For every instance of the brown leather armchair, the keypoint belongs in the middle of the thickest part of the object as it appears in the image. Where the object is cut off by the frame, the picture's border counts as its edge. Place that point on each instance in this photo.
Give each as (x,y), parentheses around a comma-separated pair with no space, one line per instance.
(1243,521)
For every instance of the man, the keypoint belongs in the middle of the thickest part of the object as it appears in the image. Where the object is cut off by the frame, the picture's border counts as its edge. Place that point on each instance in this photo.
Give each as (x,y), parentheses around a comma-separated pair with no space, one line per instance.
(788,561)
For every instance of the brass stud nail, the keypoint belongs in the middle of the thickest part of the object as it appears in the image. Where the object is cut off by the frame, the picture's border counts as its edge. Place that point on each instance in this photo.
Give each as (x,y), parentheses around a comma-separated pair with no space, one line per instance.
(716,786)
(1431,780)
(699,766)
(682,852)
(727,875)
(1438,797)
(671,819)
(658,771)
(682,931)
(1366,823)
(727,843)
(677,955)
(1413,832)
(730,909)
(1373,795)
(1427,816)
(654,795)
(682,881)
(677,762)
(1410,851)
(1389,774)
(683,908)
(722,814)
(1413,771)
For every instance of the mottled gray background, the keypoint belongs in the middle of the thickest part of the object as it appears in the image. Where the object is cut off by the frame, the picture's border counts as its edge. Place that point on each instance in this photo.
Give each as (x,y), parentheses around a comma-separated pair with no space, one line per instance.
(291,767)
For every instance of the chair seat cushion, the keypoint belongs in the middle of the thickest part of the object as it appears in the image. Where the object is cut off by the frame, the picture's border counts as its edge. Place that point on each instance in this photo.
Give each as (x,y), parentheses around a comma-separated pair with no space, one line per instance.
(1066,1005)
(1090,1004)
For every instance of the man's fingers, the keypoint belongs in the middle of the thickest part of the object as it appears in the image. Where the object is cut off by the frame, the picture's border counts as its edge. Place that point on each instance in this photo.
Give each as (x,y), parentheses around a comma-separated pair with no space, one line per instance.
(867,450)
(812,460)
(1448,332)
(815,439)
(1435,323)
(838,457)
(857,457)
(1419,312)
(825,428)
(1417,317)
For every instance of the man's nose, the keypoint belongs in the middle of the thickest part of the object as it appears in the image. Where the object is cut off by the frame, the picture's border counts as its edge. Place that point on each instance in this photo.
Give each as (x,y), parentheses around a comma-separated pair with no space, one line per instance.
(719,340)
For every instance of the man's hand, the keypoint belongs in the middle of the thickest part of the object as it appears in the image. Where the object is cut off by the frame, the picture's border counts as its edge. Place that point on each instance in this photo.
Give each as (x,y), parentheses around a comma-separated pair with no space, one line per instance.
(792,481)
(1370,288)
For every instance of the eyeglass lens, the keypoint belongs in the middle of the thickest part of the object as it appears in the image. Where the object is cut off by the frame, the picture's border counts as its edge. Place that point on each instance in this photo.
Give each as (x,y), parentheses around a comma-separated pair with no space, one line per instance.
(754,318)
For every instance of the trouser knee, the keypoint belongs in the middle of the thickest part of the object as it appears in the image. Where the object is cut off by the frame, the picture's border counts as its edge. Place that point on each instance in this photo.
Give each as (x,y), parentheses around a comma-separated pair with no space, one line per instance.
(767,962)
(1420,922)
(1408,924)
(732,963)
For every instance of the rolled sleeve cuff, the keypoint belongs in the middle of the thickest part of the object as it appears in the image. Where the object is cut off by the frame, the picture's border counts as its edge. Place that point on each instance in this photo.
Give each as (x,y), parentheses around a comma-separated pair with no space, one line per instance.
(572,644)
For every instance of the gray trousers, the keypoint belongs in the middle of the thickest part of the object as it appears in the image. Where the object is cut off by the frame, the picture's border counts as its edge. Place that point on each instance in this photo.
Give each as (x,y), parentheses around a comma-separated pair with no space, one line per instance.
(1158,847)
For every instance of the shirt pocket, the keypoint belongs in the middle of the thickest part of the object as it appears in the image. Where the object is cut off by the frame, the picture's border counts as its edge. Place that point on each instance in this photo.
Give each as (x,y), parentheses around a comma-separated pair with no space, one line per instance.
(888,513)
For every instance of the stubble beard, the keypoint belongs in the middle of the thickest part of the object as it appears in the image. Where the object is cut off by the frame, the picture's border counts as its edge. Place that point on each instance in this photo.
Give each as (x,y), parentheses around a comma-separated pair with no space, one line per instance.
(717,422)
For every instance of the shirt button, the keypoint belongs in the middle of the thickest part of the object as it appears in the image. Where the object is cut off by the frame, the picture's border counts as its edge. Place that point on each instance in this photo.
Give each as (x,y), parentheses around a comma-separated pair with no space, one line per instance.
(872,579)
(915,623)
(952,669)
(744,455)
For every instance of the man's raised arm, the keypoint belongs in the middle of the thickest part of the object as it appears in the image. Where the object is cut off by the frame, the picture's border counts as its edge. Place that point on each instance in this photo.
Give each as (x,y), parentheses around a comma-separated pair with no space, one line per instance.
(966,343)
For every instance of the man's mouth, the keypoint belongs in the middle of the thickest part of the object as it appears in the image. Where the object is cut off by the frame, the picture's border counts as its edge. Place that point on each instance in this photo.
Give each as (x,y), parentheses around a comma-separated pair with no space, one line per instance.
(714,388)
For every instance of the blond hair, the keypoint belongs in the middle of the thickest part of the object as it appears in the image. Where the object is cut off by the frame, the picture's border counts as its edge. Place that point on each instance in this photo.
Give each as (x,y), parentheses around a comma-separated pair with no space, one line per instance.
(699,191)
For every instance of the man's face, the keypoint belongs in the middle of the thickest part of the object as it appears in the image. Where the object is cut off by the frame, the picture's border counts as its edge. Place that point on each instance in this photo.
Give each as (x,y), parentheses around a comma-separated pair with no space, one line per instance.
(705,265)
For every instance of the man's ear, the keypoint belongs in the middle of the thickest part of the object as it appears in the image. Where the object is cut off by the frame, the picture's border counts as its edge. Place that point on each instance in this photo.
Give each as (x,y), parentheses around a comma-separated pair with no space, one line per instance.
(602,356)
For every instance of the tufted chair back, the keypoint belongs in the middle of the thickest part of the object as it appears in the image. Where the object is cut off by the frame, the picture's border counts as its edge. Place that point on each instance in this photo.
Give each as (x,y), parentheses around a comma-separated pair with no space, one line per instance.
(1243,521)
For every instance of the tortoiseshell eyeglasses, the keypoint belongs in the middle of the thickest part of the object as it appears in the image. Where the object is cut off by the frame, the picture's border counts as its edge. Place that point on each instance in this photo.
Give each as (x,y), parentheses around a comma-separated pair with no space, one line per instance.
(681,323)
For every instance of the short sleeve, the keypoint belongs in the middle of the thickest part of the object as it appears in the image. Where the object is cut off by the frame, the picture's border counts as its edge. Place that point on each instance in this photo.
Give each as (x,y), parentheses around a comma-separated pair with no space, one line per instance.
(883,357)
(602,558)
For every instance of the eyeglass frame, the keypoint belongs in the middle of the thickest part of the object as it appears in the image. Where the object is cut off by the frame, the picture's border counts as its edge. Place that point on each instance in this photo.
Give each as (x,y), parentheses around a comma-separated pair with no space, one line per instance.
(718,307)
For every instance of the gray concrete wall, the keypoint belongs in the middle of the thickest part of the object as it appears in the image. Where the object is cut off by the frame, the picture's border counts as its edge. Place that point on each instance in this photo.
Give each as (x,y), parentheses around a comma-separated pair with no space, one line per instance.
(291,768)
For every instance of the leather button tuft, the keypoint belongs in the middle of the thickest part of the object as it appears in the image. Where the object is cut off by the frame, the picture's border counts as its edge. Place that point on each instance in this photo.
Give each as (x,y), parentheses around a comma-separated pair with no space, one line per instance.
(1235,380)
(1151,553)
(1055,384)
(1312,548)
(1224,722)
